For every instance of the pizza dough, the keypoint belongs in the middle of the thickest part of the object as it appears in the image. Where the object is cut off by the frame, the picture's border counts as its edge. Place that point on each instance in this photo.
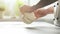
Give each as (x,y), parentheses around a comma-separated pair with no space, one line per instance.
(29,18)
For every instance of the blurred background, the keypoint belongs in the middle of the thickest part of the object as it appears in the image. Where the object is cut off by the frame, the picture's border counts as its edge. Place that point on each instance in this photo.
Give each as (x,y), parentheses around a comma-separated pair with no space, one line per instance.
(31,2)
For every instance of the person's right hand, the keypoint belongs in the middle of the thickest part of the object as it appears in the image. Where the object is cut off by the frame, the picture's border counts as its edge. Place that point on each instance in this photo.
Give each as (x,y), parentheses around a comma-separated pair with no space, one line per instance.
(42,12)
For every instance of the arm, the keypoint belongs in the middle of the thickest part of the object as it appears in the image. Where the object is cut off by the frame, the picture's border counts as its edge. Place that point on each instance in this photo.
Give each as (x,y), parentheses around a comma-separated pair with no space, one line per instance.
(40,4)
(43,3)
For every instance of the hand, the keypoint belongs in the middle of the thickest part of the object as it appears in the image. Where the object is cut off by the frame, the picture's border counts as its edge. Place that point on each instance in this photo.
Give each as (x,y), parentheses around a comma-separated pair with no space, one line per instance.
(26,8)
(28,15)
(42,12)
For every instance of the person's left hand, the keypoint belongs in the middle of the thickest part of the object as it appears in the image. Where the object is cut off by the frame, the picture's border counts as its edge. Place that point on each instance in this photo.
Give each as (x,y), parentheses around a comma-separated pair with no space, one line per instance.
(26,8)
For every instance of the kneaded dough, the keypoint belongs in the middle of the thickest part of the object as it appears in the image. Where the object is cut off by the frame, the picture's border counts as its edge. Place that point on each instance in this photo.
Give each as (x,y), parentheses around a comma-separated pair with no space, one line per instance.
(29,18)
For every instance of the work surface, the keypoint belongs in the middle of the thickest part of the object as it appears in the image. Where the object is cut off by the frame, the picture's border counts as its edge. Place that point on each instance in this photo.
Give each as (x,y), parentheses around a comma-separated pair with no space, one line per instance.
(42,26)
(34,28)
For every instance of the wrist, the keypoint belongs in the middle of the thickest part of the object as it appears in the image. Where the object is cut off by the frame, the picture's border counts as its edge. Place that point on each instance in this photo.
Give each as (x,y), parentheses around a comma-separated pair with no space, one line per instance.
(50,10)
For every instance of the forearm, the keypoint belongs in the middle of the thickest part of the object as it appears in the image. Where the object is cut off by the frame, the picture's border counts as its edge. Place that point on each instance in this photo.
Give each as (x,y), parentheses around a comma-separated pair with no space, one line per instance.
(43,3)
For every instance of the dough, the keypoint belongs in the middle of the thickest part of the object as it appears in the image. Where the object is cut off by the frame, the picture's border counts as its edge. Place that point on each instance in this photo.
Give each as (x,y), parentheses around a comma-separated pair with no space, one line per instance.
(29,18)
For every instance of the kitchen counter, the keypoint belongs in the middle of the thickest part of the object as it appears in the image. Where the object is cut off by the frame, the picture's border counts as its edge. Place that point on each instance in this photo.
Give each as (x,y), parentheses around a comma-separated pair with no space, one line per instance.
(41,26)
(34,28)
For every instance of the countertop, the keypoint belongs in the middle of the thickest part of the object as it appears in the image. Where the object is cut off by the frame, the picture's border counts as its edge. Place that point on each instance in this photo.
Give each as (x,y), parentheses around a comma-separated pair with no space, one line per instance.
(41,26)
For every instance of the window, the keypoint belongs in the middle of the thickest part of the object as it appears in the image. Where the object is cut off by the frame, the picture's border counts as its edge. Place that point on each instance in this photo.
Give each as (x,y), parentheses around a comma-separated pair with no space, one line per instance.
(31,2)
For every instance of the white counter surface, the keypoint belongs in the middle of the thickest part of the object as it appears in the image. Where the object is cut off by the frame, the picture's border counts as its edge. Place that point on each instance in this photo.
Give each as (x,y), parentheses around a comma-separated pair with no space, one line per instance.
(42,26)
(34,28)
